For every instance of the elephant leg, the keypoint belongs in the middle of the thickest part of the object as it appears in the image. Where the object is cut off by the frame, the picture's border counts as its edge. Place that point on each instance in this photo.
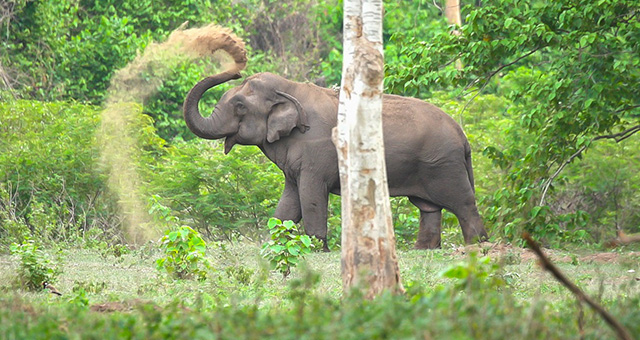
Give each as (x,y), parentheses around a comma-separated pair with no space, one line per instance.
(455,193)
(472,227)
(314,197)
(289,204)
(429,236)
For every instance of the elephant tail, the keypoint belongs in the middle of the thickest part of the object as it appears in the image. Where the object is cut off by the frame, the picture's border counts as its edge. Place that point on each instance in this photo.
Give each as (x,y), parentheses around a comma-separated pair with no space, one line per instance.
(467,162)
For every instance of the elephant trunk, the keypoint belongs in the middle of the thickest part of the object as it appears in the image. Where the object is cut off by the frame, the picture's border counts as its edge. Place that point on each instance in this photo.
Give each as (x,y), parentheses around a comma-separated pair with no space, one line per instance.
(199,125)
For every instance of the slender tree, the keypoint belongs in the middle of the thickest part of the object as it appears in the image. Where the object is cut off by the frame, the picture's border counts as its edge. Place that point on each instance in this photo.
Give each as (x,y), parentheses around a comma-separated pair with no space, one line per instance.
(369,259)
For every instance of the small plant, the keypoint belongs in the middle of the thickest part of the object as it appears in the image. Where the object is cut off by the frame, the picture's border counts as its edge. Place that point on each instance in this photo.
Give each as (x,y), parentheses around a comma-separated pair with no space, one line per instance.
(89,287)
(184,251)
(286,246)
(475,273)
(240,273)
(35,265)
(79,298)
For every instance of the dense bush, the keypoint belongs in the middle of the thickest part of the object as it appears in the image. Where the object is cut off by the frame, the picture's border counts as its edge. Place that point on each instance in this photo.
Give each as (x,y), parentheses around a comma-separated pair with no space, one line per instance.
(221,196)
(51,187)
(70,50)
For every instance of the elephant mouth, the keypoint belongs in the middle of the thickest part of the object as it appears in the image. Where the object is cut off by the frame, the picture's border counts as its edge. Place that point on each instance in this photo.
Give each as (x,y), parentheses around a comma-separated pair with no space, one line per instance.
(229,142)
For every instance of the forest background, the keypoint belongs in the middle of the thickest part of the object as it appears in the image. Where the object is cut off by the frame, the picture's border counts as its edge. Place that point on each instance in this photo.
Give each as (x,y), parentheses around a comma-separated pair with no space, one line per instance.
(547,95)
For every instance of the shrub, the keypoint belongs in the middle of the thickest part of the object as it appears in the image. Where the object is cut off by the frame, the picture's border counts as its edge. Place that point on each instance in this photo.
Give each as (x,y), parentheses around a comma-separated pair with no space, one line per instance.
(184,252)
(220,196)
(51,187)
(36,267)
(286,246)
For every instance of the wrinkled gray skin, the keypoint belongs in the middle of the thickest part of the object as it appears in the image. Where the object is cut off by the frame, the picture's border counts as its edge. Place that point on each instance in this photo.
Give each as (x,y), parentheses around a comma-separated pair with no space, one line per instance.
(427,155)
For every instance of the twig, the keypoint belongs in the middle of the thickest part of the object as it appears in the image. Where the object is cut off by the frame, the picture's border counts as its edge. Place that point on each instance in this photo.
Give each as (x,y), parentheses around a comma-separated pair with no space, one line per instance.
(618,137)
(555,174)
(493,73)
(622,332)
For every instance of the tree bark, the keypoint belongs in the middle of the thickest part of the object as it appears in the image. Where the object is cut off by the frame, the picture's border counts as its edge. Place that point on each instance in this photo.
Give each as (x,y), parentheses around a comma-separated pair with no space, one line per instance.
(369,261)
(452,13)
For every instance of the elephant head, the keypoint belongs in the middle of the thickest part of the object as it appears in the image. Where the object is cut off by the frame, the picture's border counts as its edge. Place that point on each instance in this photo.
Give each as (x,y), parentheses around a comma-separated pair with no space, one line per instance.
(258,111)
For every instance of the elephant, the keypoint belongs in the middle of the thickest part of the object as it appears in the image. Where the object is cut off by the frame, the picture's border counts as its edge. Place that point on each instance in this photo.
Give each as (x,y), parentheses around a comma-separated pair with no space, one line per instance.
(428,156)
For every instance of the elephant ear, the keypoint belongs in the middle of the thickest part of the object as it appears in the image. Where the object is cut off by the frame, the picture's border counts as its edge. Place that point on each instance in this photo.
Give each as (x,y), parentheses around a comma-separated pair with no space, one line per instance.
(285,115)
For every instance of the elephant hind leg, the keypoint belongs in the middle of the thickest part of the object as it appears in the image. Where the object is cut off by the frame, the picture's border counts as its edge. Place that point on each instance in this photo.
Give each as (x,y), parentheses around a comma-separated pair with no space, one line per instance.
(472,227)
(429,235)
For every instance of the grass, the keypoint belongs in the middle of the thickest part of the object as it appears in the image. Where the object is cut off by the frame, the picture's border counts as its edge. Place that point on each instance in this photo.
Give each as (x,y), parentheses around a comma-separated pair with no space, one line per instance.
(242,285)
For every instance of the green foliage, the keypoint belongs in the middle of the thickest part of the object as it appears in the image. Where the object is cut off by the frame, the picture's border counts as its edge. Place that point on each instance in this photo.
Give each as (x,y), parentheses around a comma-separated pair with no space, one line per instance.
(184,254)
(567,67)
(286,247)
(50,185)
(221,196)
(36,266)
(475,273)
(444,312)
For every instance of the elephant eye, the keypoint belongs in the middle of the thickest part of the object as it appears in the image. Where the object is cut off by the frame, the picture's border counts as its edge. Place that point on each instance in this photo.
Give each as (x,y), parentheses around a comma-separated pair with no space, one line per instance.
(240,108)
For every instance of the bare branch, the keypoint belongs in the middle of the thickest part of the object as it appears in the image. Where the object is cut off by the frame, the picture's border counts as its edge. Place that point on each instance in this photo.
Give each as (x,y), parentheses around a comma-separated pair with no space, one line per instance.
(623,239)
(618,137)
(560,168)
(622,332)
(493,73)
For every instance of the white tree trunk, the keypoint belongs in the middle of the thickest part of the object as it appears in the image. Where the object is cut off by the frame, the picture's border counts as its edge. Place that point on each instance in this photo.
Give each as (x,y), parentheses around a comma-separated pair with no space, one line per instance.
(369,259)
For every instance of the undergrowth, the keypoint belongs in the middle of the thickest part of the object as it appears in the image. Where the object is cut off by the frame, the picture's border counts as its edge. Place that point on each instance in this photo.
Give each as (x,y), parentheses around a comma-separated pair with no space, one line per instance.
(469,308)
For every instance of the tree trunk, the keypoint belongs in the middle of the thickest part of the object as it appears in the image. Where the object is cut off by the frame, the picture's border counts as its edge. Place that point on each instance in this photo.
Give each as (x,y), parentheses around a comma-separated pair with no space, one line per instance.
(452,13)
(369,259)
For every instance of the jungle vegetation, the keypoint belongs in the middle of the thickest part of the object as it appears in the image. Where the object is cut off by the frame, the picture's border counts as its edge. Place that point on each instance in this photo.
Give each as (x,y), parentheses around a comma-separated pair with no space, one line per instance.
(547,95)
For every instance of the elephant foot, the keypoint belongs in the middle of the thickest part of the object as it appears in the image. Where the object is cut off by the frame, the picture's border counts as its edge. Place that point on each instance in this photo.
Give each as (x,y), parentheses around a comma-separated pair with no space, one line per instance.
(325,246)
(477,238)
(422,244)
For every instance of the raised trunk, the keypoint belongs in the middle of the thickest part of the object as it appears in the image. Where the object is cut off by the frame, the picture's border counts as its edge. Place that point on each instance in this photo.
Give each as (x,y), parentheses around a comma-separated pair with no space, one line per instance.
(201,126)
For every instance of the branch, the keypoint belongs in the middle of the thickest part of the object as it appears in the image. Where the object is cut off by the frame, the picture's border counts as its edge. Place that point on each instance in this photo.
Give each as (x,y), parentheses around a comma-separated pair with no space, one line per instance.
(618,137)
(623,239)
(622,332)
(560,168)
(493,73)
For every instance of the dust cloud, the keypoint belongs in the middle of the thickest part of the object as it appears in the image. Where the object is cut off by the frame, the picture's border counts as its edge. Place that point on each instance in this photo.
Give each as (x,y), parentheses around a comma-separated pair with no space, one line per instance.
(216,47)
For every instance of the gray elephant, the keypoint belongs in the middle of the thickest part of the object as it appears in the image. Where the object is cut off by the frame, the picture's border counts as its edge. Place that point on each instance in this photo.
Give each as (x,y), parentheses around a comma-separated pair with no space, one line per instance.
(427,155)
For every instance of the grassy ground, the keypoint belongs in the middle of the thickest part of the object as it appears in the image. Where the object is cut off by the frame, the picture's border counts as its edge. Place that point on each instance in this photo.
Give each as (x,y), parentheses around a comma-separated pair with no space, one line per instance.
(241,278)
(239,266)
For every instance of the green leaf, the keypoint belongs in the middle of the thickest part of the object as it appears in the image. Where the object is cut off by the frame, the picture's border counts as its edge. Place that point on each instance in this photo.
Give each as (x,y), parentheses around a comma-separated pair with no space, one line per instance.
(273,222)
(306,240)
(508,22)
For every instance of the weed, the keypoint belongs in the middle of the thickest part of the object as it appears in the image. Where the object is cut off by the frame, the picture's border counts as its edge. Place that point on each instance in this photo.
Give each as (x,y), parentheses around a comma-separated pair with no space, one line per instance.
(240,273)
(89,287)
(475,273)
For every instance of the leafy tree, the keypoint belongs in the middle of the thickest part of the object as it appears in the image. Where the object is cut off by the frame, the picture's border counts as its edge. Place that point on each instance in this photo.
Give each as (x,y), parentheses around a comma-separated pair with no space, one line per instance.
(573,74)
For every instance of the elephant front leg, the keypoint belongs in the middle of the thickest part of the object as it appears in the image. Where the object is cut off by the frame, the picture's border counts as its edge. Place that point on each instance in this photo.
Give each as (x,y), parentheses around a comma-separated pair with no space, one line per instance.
(314,197)
(429,236)
(289,204)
